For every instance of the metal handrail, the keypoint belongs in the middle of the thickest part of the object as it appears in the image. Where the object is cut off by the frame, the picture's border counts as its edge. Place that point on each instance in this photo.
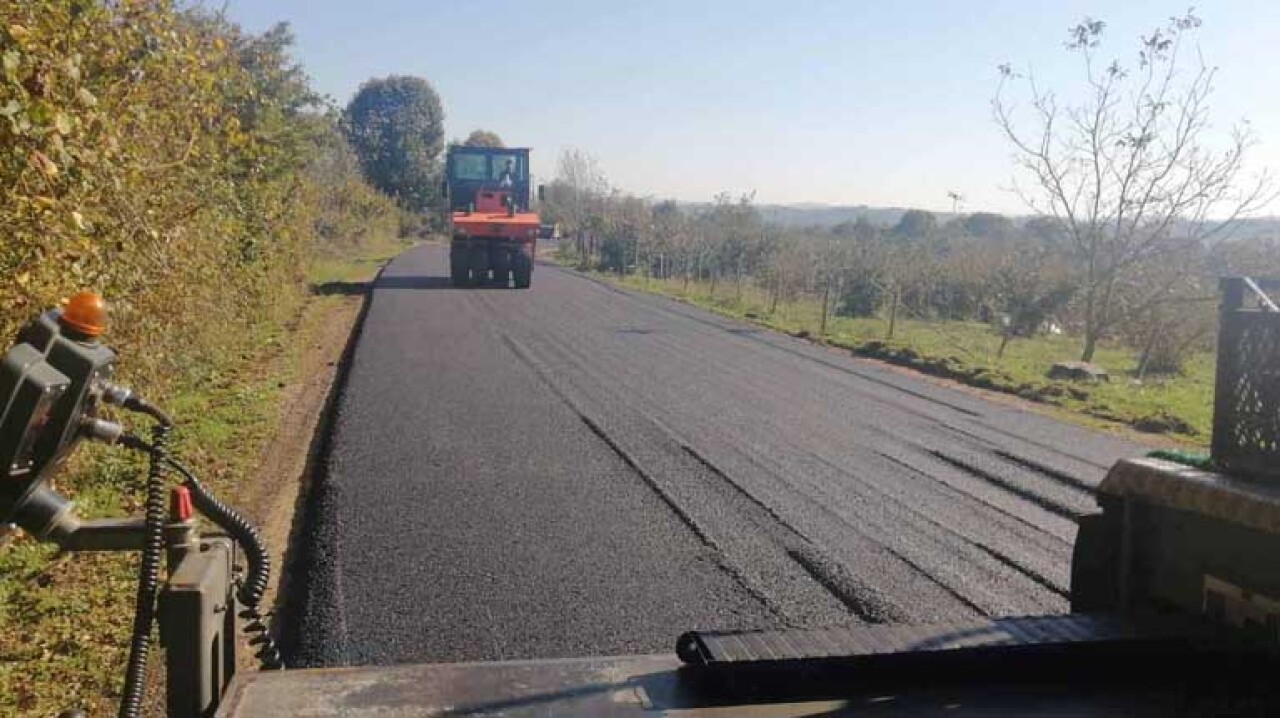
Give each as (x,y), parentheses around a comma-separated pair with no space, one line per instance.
(1246,415)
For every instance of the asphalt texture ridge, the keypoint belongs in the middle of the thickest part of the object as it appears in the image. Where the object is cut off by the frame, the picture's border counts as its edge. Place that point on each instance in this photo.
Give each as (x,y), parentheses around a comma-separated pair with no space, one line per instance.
(577,469)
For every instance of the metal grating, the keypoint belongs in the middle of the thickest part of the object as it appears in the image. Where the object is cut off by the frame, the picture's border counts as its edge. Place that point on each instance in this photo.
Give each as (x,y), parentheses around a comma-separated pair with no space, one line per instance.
(1246,422)
(712,647)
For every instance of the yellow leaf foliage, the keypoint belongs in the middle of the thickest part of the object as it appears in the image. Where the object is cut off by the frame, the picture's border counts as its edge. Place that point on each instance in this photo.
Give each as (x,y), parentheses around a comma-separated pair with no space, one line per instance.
(168,159)
(184,169)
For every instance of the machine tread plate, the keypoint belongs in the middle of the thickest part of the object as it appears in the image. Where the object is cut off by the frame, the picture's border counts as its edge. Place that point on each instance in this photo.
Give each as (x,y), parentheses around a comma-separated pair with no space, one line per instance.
(707,648)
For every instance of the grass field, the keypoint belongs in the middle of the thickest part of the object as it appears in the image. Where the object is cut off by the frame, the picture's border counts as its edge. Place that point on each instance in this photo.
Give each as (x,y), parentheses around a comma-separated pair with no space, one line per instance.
(1179,406)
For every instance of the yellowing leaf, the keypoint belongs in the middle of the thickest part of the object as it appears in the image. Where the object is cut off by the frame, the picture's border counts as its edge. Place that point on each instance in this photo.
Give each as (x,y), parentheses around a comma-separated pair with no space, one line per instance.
(62,123)
(86,98)
(18,32)
(78,219)
(39,161)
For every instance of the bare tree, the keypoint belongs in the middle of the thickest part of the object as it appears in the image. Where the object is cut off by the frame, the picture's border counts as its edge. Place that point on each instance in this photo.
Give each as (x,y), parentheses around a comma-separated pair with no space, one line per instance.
(1127,171)
(789,267)
(575,197)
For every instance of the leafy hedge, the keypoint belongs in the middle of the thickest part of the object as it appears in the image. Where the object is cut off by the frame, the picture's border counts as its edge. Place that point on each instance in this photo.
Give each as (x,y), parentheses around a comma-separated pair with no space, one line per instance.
(185,169)
(177,164)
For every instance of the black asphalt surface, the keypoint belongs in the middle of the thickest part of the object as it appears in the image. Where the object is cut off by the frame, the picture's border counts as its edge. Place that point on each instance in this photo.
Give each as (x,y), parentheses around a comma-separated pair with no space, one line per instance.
(579,470)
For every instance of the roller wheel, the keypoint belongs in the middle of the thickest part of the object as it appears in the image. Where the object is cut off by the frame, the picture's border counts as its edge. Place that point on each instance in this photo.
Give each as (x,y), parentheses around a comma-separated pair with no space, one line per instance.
(523,273)
(457,272)
(479,267)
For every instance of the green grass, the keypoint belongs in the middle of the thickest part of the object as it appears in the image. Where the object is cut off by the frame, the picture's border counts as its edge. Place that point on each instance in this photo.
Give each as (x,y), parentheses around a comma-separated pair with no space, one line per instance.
(66,618)
(71,613)
(967,352)
(326,270)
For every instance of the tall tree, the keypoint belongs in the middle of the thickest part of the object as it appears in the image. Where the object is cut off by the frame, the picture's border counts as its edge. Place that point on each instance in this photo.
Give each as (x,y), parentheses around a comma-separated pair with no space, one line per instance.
(483,138)
(396,126)
(988,225)
(916,224)
(1128,171)
(574,198)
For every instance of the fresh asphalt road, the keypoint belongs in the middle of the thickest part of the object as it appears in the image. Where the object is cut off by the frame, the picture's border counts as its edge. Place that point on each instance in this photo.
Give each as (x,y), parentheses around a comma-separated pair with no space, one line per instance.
(578,470)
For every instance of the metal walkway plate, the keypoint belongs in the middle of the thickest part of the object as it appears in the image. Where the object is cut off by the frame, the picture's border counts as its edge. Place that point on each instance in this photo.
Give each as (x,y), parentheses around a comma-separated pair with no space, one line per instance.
(847,643)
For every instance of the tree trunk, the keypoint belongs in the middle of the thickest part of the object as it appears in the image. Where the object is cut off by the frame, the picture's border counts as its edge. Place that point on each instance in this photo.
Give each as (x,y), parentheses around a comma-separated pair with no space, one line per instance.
(1090,324)
(1150,344)
(1096,320)
(893,312)
(826,304)
(1091,344)
(715,274)
(738,288)
(1004,342)
(777,290)
(1095,310)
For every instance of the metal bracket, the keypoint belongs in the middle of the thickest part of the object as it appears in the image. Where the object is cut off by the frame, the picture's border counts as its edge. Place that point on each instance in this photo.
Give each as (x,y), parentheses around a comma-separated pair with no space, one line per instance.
(197,616)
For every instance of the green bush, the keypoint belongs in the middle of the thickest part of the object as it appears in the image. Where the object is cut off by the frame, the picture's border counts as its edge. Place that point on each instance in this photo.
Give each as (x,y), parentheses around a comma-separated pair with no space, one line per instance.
(178,165)
(186,170)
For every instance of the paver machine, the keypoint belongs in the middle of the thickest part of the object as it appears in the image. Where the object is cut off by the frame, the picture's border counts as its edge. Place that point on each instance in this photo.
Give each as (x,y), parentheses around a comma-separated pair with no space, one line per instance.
(493,234)
(1175,587)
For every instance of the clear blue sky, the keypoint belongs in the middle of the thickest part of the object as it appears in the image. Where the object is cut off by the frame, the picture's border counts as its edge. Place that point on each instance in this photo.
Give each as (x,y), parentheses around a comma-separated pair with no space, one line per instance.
(880,103)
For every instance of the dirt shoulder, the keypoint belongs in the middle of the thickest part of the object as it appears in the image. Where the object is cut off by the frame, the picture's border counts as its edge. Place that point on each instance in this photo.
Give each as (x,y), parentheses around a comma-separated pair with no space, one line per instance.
(275,492)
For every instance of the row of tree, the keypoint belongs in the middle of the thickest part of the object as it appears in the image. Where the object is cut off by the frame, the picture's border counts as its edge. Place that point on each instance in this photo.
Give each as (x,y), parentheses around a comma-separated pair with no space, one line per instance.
(1022,278)
(1132,207)
(181,166)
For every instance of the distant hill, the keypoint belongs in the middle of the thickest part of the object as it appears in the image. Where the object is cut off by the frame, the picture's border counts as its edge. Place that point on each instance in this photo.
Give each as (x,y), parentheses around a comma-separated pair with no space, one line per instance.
(820,215)
(812,214)
(824,215)
(1255,227)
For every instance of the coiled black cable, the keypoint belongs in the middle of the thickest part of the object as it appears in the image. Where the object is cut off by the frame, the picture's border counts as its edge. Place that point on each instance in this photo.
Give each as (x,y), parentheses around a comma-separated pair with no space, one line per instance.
(148,574)
(254,584)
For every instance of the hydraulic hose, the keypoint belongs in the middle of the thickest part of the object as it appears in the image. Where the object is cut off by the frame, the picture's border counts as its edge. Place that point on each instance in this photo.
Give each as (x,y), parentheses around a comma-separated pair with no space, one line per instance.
(148,572)
(135,403)
(254,584)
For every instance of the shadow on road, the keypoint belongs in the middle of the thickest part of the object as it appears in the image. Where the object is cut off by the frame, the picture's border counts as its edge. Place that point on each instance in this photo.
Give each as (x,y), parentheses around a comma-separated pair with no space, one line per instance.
(412,282)
(419,282)
(346,289)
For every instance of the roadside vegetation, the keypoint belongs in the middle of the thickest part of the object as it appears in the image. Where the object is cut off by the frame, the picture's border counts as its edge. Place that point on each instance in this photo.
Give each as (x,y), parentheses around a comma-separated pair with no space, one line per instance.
(968,352)
(186,170)
(1133,197)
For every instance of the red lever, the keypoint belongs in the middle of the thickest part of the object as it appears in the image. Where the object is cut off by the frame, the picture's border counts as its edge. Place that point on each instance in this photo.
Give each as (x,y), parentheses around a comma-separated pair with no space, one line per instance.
(180,510)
